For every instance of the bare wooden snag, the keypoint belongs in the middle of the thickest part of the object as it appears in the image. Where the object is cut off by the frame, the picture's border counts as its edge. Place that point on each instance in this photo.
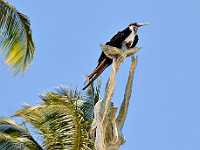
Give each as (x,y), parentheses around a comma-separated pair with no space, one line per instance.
(106,124)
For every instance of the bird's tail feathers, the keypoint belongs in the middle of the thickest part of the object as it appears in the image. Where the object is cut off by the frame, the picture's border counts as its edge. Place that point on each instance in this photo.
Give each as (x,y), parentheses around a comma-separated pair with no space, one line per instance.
(89,82)
(96,69)
(96,73)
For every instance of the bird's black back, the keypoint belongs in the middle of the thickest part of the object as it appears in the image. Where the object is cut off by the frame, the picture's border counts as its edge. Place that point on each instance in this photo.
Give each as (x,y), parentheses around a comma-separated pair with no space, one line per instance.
(116,41)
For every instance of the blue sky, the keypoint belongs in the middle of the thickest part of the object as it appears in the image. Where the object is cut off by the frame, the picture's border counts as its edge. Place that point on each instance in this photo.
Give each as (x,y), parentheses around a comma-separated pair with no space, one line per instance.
(164,111)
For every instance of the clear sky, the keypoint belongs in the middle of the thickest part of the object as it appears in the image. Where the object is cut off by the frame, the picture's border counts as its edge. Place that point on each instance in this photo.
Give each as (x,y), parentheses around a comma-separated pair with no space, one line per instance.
(164,112)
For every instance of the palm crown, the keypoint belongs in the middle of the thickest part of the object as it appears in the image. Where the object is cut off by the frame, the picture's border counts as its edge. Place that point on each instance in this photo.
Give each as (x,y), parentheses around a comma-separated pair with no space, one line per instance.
(62,119)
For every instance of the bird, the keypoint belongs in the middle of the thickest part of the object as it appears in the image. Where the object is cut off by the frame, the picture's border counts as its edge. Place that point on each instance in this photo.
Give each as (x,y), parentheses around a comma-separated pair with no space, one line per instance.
(125,39)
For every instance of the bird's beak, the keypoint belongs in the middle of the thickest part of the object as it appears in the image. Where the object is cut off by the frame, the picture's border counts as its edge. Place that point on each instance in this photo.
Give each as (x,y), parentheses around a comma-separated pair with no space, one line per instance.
(142,24)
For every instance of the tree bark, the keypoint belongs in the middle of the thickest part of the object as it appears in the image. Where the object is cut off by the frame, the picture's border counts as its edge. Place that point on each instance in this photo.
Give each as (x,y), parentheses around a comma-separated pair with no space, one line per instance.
(105,124)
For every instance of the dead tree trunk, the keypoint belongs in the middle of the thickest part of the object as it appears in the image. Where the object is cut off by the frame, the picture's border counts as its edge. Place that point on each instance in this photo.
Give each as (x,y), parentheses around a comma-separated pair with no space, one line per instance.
(108,126)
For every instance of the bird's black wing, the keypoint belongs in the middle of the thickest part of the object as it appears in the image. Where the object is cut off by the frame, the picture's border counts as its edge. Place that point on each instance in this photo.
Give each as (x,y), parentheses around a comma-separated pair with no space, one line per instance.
(117,39)
(101,58)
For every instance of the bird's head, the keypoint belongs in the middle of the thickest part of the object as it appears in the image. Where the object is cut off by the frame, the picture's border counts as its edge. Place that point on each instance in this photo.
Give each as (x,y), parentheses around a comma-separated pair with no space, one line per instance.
(135,26)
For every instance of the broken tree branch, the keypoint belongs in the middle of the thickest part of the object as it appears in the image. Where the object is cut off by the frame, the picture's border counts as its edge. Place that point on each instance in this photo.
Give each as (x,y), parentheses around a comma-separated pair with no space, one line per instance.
(107,126)
(124,106)
(114,52)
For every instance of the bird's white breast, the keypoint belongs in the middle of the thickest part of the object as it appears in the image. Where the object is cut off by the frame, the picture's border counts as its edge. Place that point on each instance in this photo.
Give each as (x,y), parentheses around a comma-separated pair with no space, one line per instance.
(130,37)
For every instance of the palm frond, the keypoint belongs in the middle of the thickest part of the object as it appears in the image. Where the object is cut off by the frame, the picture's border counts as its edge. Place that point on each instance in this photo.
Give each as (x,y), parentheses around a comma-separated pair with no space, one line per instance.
(15,137)
(60,121)
(83,102)
(93,96)
(16,41)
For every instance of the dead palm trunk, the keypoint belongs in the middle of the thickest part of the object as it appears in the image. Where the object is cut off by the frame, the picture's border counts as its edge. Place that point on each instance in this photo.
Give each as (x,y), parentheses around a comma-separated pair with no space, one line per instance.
(108,126)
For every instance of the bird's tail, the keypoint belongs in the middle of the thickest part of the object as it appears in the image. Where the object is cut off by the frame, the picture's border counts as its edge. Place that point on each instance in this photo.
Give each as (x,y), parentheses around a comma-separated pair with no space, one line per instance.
(96,73)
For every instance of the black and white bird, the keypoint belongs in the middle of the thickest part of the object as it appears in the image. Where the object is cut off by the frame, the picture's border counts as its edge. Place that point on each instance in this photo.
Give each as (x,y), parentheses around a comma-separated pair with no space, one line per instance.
(125,39)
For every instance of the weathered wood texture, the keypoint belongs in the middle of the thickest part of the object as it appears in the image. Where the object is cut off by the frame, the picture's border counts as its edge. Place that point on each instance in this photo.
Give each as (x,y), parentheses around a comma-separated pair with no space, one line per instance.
(107,125)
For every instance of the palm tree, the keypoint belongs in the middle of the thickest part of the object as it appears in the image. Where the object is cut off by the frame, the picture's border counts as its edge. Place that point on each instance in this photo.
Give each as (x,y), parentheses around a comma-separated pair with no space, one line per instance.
(69,120)
(63,119)
(15,137)
(16,41)
(66,119)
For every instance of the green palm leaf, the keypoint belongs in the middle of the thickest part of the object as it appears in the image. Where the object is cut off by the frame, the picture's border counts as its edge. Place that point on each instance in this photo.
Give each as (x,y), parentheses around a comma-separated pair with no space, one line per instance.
(15,38)
(15,137)
(84,103)
(60,121)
